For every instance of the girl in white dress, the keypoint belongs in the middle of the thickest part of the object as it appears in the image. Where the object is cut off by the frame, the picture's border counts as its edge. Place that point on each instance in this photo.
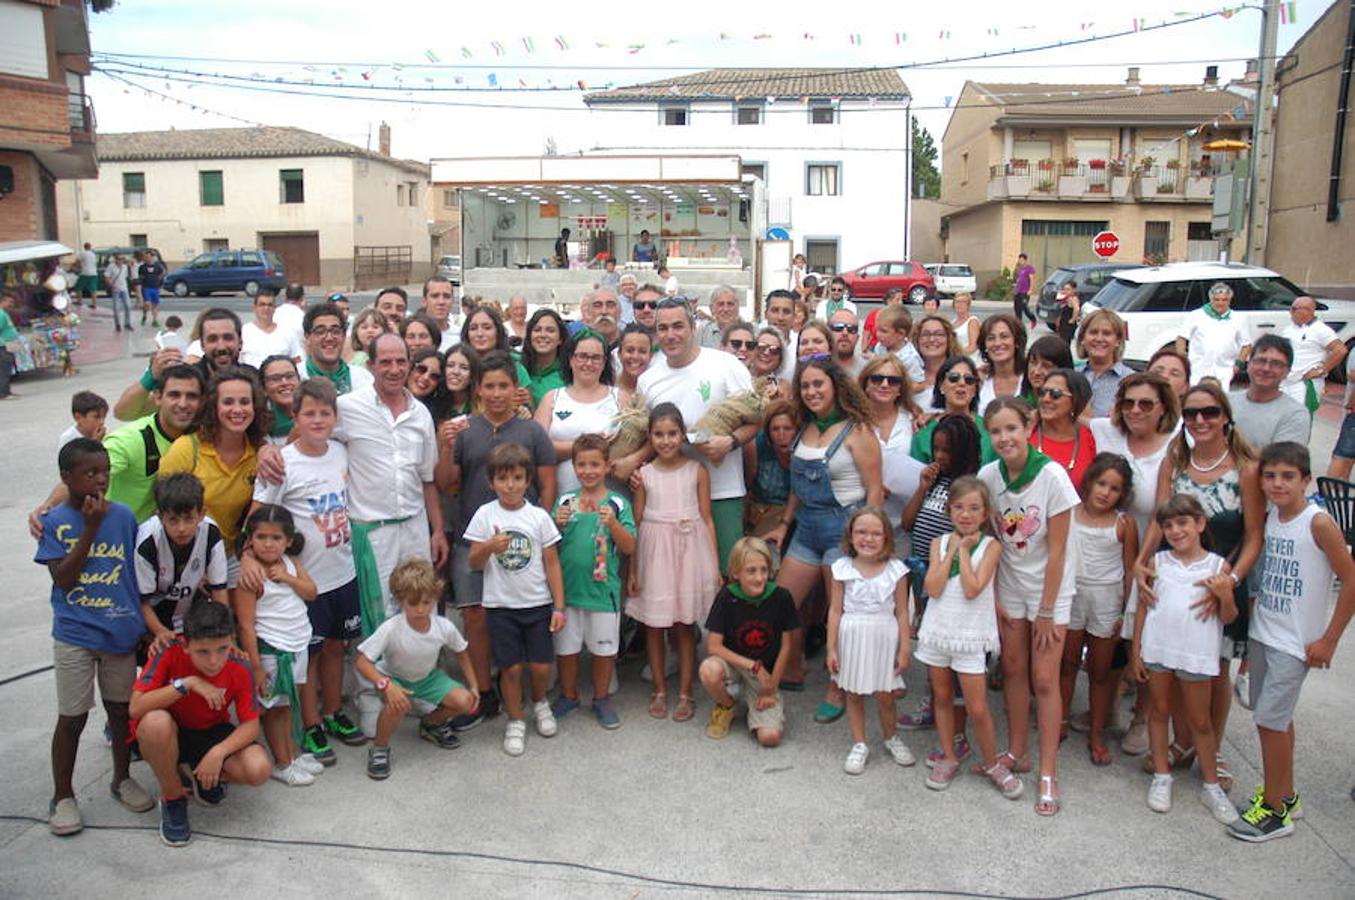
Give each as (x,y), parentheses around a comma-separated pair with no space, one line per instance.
(868,637)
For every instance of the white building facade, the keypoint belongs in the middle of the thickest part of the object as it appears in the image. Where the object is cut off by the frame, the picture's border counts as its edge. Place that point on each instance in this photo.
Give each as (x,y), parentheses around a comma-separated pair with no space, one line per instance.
(832,147)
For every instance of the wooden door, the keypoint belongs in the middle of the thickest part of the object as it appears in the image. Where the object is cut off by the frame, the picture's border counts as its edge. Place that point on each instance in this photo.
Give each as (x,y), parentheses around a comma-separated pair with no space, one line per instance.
(300,255)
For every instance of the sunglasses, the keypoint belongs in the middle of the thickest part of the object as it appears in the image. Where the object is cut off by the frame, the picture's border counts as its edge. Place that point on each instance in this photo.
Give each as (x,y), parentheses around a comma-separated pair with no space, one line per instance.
(427,370)
(741,344)
(1142,404)
(957,377)
(1208,413)
(840,327)
(645,304)
(1054,393)
(891,380)
(769,348)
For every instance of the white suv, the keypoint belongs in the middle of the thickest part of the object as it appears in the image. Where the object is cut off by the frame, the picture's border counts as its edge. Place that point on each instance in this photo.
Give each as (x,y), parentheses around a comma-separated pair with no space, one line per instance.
(1153,301)
(952,279)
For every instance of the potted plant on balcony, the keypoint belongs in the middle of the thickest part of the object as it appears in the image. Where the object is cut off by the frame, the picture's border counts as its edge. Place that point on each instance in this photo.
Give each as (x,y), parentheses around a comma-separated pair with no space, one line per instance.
(1018,178)
(1072,181)
(1172,178)
(1097,180)
(1045,181)
(1200,181)
(1119,178)
(1145,177)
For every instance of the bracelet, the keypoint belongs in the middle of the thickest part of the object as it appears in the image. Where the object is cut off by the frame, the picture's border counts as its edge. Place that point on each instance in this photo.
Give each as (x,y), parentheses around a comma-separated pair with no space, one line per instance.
(148,380)
(1042,614)
(557,609)
(1236,580)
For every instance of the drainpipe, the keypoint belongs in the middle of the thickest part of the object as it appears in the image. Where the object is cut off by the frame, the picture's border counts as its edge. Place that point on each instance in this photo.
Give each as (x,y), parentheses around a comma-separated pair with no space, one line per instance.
(1342,105)
(908,174)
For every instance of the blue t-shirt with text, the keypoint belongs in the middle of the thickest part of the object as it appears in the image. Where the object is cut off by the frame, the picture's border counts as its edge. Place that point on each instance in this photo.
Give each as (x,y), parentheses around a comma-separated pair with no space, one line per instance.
(103,611)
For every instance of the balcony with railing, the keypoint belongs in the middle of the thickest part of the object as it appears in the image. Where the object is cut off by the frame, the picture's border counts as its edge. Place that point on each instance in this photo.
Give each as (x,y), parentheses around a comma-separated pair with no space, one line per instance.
(80,117)
(1099,180)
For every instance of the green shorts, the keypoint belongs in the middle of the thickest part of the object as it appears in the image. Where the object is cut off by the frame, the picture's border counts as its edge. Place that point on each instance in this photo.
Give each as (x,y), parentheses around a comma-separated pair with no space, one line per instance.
(728,516)
(431,688)
(87,284)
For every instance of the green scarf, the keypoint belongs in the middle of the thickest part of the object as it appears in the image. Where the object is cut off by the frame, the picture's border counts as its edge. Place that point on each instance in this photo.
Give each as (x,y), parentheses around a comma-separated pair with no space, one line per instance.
(341,377)
(282,423)
(955,563)
(1209,311)
(285,686)
(828,421)
(1035,461)
(748,598)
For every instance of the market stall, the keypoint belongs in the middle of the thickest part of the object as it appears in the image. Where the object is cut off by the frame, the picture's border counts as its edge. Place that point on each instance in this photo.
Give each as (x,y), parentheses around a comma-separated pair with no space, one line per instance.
(48,328)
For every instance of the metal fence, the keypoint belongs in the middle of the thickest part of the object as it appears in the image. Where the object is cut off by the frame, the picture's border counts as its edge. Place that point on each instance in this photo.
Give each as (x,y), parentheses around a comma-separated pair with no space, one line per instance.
(380,266)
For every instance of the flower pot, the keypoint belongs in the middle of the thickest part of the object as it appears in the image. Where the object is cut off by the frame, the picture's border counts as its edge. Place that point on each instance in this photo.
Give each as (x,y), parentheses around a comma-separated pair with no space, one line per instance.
(1119,186)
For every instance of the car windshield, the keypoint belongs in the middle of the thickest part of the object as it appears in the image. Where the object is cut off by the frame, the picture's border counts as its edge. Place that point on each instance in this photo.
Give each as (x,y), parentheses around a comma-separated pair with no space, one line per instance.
(1059,277)
(1273,292)
(1121,294)
(956,271)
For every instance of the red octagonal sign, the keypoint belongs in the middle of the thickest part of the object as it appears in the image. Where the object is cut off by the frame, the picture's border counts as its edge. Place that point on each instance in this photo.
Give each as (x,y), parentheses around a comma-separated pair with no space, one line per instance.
(1106,244)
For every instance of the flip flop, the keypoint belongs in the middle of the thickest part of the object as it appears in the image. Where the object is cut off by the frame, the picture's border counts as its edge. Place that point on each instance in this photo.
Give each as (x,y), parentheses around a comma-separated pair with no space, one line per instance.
(1100,756)
(827,713)
(658,706)
(795,687)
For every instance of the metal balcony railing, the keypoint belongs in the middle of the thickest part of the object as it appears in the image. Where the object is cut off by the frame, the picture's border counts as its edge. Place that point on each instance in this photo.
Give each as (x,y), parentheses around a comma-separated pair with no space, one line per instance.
(80,115)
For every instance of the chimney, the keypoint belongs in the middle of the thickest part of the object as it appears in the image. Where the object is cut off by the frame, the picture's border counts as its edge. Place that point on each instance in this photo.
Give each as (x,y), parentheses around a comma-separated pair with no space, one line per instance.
(1211,76)
(1133,79)
(1253,75)
(383,140)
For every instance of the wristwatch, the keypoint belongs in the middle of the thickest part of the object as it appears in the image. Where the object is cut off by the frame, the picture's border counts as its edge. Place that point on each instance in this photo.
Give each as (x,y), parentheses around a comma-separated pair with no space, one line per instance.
(180,685)
(383,684)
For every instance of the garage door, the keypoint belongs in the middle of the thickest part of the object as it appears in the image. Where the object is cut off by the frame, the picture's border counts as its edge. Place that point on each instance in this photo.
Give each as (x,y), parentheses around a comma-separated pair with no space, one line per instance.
(1051,244)
(300,254)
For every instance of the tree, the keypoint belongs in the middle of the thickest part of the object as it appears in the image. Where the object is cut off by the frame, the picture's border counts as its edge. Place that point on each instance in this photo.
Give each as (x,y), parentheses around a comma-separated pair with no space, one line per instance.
(926,177)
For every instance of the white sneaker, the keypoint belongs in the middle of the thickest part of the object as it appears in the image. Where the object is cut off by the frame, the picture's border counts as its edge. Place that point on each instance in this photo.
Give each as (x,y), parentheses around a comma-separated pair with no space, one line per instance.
(1242,688)
(1216,801)
(515,737)
(308,763)
(899,750)
(1135,740)
(856,759)
(1160,794)
(546,725)
(293,775)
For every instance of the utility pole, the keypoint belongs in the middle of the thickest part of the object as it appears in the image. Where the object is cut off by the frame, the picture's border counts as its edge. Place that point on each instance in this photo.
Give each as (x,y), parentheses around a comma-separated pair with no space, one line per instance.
(1263,139)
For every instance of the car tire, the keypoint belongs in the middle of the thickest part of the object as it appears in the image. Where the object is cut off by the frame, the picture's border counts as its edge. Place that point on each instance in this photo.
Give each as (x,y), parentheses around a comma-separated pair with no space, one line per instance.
(180,289)
(917,294)
(251,288)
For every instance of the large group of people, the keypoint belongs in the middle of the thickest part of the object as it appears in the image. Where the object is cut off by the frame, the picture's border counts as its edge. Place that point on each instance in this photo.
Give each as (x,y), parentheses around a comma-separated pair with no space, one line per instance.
(943,493)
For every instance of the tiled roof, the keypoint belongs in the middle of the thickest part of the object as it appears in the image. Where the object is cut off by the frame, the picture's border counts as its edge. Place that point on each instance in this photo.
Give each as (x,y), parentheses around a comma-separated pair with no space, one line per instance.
(1116,102)
(233,143)
(737,84)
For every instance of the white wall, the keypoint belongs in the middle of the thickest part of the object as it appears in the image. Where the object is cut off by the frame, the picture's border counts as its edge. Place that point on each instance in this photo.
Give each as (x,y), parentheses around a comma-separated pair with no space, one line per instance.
(871,142)
(378,219)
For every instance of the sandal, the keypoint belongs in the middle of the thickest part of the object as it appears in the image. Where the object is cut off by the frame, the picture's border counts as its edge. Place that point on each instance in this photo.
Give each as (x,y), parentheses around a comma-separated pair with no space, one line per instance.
(1100,756)
(1008,784)
(1178,757)
(685,709)
(658,705)
(1048,804)
(1005,759)
(1225,775)
(795,687)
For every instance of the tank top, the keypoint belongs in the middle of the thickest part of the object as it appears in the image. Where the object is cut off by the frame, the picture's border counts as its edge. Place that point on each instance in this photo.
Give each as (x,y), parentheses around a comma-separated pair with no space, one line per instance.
(956,624)
(1173,634)
(1294,597)
(771,484)
(280,616)
(843,475)
(1100,555)
(572,418)
(932,520)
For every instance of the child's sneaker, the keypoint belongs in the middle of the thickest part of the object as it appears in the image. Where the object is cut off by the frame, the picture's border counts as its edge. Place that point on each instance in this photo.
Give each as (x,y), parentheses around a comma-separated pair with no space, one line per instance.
(1260,824)
(293,775)
(488,709)
(344,729)
(63,817)
(205,796)
(942,774)
(1005,781)
(855,763)
(132,795)
(960,746)
(308,764)
(1292,805)
(717,726)
(378,762)
(316,744)
(515,737)
(1135,740)
(919,719)
(562,706)
(440,734)
(1160,794)
(546,725)
(899,750)
(1216,801)
(174,828)
(606,713)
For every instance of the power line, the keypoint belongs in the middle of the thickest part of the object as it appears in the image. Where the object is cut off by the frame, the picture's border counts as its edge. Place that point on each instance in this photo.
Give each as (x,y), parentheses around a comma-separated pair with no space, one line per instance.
(172,99)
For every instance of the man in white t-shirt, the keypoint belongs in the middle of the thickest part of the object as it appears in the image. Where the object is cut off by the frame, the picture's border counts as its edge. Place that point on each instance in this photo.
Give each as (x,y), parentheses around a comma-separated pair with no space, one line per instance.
(264,337)
(1214,337)
(1317,350)
(437,303)
(288,315)
(694,378)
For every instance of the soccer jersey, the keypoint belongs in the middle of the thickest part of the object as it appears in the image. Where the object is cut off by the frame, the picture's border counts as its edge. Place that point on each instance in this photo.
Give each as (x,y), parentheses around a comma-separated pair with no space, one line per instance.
(192,711)
(169,577)
(134,453)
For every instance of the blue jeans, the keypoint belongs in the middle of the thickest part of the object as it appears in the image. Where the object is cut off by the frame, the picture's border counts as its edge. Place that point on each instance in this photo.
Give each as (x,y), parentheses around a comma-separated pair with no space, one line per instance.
(122,302)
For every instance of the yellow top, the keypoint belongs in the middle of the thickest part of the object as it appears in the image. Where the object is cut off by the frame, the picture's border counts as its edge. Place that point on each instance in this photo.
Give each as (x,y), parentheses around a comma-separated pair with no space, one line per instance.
(228,489)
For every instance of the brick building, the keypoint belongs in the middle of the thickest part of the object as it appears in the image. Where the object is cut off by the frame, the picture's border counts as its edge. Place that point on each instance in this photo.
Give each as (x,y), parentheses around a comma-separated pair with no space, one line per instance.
(46,119)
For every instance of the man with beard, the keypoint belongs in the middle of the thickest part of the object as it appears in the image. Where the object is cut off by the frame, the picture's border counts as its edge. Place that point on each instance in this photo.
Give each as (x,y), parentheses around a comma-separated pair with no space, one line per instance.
(724,311)
(606,311)
(846,331)
(393,303)
(324,330)
(219,334)
(645,302)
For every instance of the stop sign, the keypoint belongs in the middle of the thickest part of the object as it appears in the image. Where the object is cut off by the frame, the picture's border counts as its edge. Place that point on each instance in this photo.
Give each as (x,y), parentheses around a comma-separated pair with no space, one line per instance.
(1106,244)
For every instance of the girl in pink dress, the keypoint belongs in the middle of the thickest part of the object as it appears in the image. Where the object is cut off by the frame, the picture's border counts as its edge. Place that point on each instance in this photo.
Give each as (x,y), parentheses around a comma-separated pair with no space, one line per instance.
(674,574)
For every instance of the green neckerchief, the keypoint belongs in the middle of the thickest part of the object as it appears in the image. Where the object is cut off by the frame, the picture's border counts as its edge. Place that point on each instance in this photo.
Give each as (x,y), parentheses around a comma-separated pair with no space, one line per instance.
(955,563)
(341,377)
(1035,461)
(282,423)
(833,306)
(548,370)
(1209,311)
(828,421)
(748,598)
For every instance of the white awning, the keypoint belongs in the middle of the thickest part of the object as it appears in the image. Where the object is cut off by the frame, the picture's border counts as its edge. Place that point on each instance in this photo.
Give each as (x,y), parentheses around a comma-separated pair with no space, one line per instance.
(19,251)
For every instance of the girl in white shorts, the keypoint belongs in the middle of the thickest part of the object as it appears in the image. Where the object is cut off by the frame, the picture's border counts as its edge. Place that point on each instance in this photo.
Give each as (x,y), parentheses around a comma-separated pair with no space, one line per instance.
(1107,543)
(959,627)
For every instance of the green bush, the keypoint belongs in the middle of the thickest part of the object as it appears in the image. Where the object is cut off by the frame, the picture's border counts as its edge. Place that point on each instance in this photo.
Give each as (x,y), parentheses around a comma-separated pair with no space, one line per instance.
(1000,288)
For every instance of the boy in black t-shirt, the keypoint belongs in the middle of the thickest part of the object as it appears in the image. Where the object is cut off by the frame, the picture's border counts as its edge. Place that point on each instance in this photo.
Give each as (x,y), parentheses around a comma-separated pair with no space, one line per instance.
(748,639)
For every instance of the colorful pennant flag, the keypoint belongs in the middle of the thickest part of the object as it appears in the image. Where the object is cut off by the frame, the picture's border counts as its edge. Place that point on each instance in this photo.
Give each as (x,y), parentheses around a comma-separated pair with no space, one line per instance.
(900,37)
(493,80)
(529,45)
(1289,13)
(432,57)
(561,42)
(496,47)
(855,39)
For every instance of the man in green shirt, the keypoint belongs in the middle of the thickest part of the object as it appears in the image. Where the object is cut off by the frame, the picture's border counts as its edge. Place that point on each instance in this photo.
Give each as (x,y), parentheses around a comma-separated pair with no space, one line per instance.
(7,333)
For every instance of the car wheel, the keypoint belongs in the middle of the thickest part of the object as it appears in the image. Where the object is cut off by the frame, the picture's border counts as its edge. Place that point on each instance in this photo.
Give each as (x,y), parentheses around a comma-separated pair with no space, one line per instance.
(180,289)
(917,295)
(251,288)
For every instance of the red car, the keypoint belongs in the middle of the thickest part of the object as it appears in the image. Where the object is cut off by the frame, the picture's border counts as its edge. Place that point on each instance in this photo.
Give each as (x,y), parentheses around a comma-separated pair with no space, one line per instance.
(874,279)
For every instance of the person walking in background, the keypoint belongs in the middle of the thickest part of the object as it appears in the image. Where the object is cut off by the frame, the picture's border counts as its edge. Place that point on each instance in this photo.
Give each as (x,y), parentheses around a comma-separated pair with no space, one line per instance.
(88,282)
(1024,275)
(118,276)
(152,275)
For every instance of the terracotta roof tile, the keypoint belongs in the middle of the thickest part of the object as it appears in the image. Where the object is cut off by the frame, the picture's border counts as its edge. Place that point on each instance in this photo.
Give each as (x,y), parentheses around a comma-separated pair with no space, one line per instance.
(731,84)
(1113,101)
(233,143)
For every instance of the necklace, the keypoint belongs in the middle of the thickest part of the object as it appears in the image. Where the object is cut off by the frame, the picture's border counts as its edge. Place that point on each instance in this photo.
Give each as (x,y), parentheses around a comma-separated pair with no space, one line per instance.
(1077,440)
(1212,466)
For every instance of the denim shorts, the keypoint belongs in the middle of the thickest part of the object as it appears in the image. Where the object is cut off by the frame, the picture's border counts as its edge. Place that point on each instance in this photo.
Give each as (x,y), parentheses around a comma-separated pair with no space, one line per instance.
(818,535)
(1345,444)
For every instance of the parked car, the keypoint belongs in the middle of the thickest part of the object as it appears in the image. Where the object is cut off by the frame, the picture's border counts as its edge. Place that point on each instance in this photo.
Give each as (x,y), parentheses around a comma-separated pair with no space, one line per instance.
(104,255)
(1153,300)
(874,279)
(228,270)
(450,267)
(952,279)
(1089,278)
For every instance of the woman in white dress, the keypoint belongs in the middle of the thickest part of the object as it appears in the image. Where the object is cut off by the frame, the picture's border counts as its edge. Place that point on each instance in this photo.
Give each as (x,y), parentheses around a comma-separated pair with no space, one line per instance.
(966,325)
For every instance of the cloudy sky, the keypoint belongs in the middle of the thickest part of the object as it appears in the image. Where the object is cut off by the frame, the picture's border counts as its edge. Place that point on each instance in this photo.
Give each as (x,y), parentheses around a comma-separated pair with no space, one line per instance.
(504,84)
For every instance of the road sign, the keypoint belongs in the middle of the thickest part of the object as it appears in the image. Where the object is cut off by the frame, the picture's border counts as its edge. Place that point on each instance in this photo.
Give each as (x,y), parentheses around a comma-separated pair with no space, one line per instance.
(1106,244)
(778,234)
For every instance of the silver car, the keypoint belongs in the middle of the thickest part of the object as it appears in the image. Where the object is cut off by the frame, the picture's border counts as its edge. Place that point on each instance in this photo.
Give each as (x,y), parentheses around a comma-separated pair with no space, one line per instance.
(952,279)
(450,267)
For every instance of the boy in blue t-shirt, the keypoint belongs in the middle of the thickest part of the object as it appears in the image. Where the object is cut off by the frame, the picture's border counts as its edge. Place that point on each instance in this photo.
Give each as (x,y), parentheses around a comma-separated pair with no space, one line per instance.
(87,545)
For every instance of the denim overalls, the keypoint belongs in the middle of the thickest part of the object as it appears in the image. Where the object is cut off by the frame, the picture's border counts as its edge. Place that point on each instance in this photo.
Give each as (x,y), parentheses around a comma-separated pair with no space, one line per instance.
(820,521)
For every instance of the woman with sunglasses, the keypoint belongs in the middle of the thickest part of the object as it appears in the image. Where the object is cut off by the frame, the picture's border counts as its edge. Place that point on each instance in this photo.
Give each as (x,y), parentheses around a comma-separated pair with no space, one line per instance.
(588,403)
(1002,347)
(546,333)
(766,363)
(1058,433)
(936,343)
(956,393)
(1220,471)
(739,338)
(894,416)
(426,381)
(280,381)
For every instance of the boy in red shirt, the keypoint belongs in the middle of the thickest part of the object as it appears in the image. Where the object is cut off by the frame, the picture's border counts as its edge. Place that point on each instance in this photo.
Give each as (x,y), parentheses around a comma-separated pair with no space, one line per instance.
(181,719)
